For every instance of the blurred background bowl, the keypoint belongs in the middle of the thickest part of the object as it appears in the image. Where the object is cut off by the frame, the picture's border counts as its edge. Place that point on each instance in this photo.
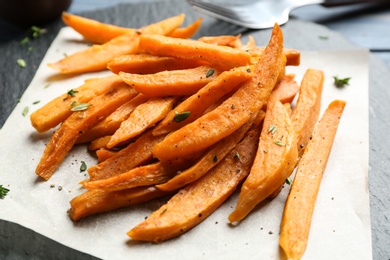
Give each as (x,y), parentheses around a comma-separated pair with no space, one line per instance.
(32,12)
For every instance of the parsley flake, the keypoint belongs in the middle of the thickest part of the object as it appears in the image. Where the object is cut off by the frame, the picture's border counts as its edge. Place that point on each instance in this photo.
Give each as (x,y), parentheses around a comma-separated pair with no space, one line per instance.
(37,31)
(36,102)
(181,116)
(209,73)
(323,37)
(25,111)
(3,192)
(340,83)
(280,143)
(21,63)
(288,181)
(272,129)
(72,92)
(24,41)
(80,107)
(83,166)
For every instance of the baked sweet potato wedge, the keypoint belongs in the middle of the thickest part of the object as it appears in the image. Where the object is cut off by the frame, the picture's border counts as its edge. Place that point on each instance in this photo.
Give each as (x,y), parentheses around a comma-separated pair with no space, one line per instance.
(298,211)
(233,112)
(275,160)
(198,200)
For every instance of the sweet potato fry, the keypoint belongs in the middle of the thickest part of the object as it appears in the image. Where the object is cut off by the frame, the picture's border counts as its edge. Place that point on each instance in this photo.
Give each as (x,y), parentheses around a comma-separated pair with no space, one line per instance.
(95,58)
(103,154)
(223,40)
(146,175)
(143,117)
(250,45)
(110,124)
(94,31)
(307,110)
(188,31)
(212,157)
(274,162)
(234,112)
(57,110)
(135,154)
(80,121)
(99,143)
(204,98)
(144,63)
(164,27)
(98,201)
(169,83)
(293,56)
(295,226)
(198,200)
(223,57)
(286,89)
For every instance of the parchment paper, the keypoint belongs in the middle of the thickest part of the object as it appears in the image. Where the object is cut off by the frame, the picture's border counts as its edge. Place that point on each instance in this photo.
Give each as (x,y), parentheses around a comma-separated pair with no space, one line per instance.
(341,222)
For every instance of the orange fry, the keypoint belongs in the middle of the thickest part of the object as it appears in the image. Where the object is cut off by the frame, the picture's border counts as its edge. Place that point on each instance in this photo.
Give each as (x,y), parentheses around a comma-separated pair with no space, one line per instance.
(196,104)
(94,31)
(298,211)
(98,201)
(57,110)
(135,154)
(194,203)
(275,160)
(307,110)
(234,112)
(80,121)
(95,58)
(223,40)
(144,63)
(220,56)
(143,117)
(110,124)
(209,160)
(169,83)
(187,32)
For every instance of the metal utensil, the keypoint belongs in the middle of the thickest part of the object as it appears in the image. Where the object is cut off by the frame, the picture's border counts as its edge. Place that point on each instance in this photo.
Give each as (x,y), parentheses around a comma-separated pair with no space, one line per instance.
(260,14)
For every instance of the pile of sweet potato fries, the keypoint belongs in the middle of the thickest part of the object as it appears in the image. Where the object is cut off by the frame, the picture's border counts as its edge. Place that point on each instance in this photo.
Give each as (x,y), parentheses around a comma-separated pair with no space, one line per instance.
(192,119)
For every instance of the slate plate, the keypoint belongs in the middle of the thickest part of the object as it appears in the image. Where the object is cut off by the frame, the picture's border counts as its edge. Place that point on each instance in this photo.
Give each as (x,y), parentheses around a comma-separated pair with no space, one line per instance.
(17,242)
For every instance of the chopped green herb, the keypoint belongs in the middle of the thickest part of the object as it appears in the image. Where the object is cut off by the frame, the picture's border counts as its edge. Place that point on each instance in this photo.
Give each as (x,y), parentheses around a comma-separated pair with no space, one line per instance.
(18,100)
(25,111)
(30,49)
(46,86)
(65,54)
(238,156)
(3,192)
(279,143)
(323,37)
(25,41)
(36,102)
(339,82)
(162,212)
(215,159)
(209,73)
(73,104)
(21,63)
(272,129)
(80,107)
(288,181)
(37,31)
(181,116)
(72,92)
(83,166)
